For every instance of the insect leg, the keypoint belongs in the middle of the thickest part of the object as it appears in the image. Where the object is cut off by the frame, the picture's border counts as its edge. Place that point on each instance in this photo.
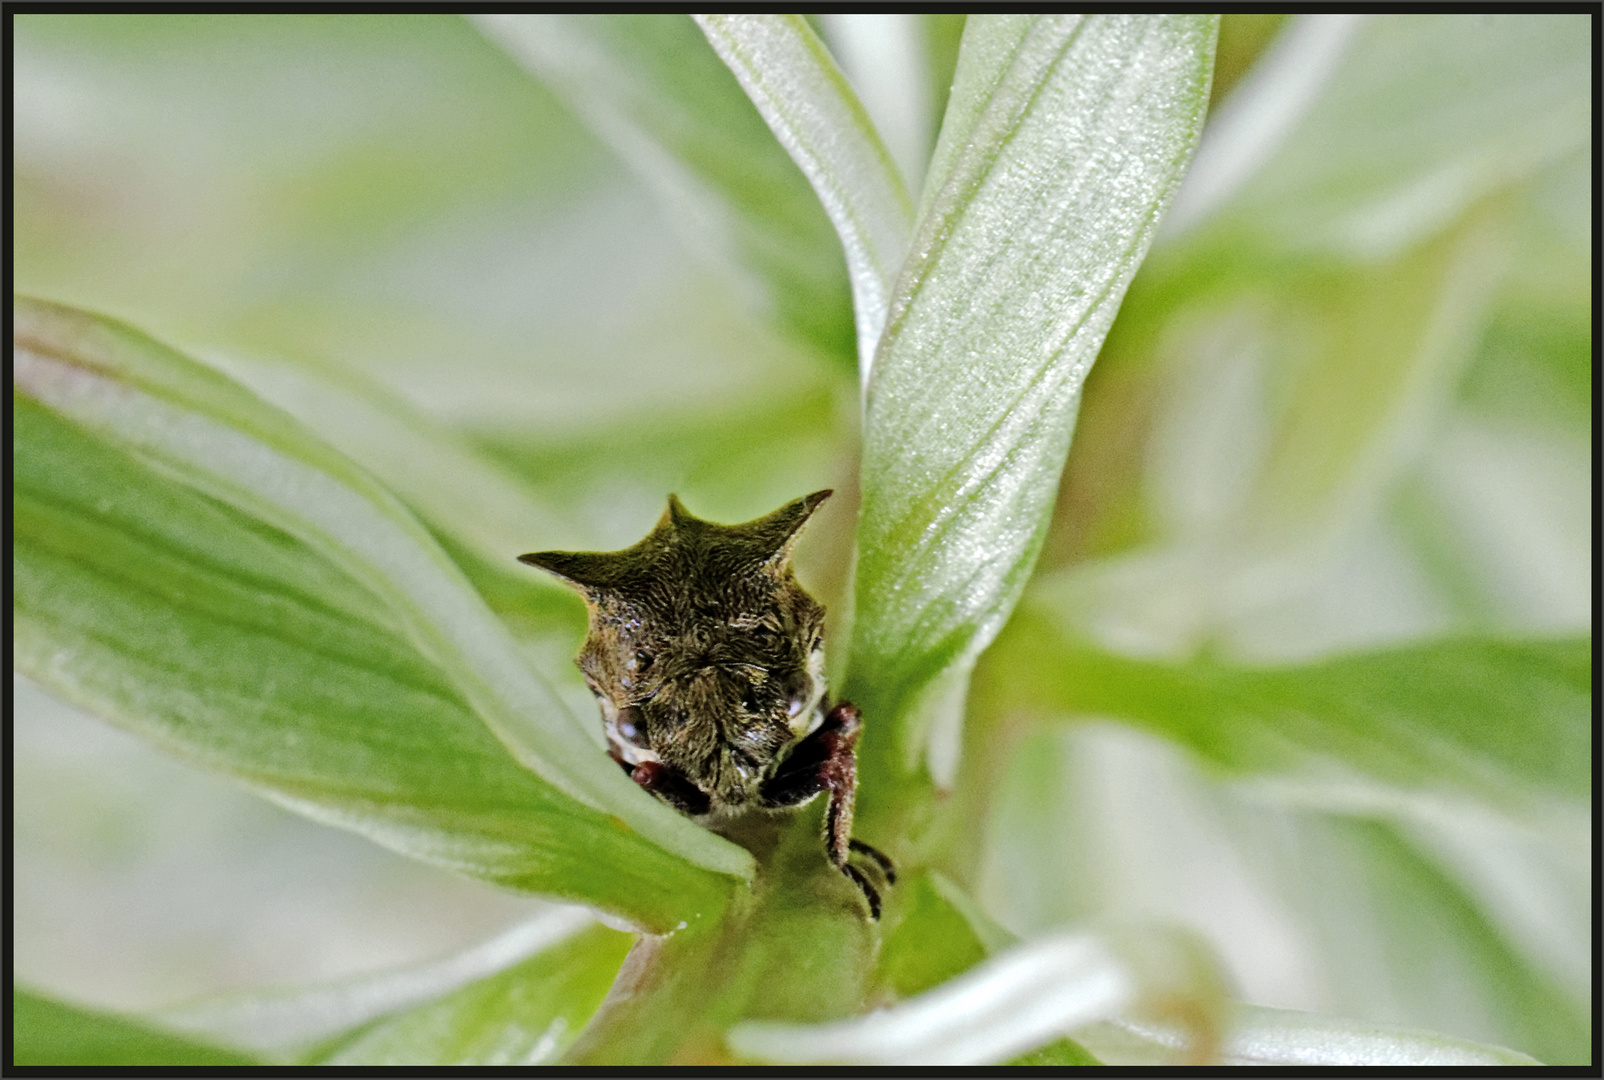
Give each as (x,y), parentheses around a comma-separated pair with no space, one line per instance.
(825,761)
(887,867)
(671,786)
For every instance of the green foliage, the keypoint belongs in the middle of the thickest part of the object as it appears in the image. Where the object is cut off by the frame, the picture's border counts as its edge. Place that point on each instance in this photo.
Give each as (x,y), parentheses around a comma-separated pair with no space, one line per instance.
(664,102)
(1296,702)
(972,398)
(1502,721)
(525,1015)
(324,700)
(48,1033)
(908,965)
(1062,1052)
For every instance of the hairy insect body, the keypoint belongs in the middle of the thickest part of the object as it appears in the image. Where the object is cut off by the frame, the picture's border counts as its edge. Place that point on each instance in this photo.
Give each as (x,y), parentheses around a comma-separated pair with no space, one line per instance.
(707,659)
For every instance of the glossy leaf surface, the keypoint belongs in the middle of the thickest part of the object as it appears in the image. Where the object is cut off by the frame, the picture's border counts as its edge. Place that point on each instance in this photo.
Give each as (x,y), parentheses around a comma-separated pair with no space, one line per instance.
(1066,142)
(187,560)
(1497,720)
(650,86)
(790,76)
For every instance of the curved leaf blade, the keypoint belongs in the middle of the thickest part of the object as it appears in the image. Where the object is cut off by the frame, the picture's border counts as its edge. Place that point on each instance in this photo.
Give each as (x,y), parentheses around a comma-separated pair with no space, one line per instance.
(650,87)
(1360,910)
(1079,136)
(1423,116)
(1498,720)
(1265,1036)
(251,658)
(1019,1000)
(526,1015)
(808,104)
(209,524)
(298,1022)
(1026,997)
(48,1033)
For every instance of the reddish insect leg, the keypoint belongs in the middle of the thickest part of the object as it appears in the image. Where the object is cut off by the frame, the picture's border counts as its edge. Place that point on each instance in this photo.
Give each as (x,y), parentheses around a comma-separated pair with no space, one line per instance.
(668,784)
(825,762)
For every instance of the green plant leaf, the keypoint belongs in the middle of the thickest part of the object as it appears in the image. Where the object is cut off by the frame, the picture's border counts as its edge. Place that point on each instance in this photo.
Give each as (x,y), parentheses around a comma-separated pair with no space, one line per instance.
(1027,996)
(1005,1006)
(795,84)
(927,939)
(1065,150)
(453,485)
(1403,942)
(650,86)
(1061,1052)
(1358,909)
(48,1033)
(1496,720)
(302,1022)
(1423,115)
(526,1015)
(1264,1036)
(241,594)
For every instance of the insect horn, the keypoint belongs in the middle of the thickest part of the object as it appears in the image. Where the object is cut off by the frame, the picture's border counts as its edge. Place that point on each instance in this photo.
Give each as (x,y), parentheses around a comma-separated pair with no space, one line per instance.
(588,570)
(776,533)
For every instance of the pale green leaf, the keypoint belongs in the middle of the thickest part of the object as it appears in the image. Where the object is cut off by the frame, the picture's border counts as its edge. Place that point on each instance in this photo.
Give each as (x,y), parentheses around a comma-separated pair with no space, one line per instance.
(1291,402)
(452,484)
(1355,912)
(1025,997)
(48,1033)
(926,939)
(1264,1036)
(657,94)
(1077,139)
(791,78)
(186,445)
(1006,1006)
(987,50)
(1502,721)
(526,1015)
(291,1023)
(1422,116)
(900,65)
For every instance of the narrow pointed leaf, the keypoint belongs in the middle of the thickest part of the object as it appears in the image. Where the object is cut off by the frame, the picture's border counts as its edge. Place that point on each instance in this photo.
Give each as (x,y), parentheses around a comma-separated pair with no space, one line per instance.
(193,565)
(1496,720)
(1074,140)
(654,91)
(813,111)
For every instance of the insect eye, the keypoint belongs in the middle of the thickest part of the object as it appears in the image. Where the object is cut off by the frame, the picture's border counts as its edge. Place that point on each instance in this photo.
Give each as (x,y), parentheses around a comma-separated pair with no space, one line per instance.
(643,660)
(798,689)
(629,723)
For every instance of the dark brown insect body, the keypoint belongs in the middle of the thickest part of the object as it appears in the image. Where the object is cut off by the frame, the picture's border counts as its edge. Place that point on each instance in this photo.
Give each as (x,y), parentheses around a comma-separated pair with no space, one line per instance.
(707,659)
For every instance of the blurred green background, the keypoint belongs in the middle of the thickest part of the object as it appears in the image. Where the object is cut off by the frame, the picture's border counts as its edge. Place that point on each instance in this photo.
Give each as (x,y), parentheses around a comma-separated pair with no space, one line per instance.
(1347,404)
